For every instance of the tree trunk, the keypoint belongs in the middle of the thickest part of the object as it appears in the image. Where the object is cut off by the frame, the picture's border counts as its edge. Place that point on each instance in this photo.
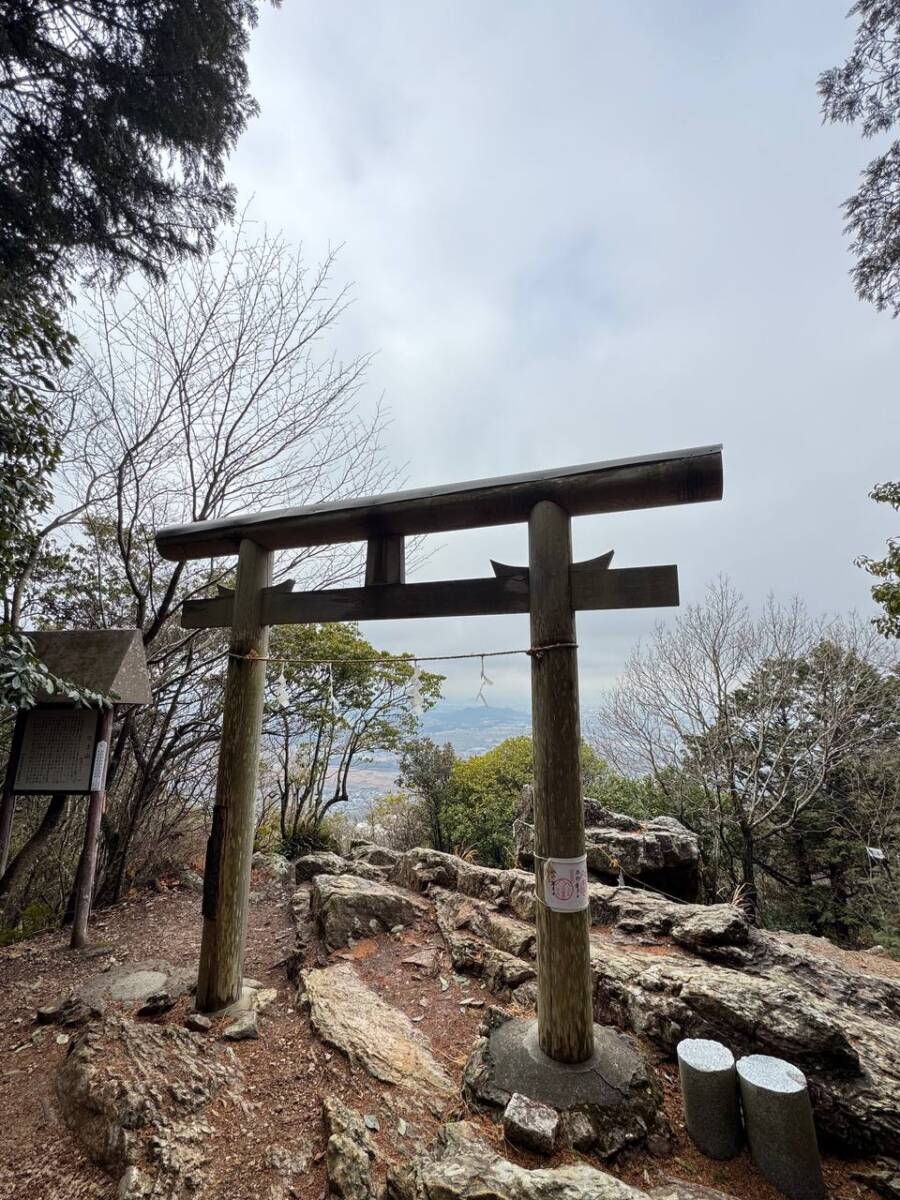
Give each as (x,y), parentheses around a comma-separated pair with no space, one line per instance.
(30,852)
(750,898)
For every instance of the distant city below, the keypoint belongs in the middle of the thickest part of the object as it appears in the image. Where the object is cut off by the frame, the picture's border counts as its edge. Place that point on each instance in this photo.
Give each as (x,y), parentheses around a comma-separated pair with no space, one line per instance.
(470,730)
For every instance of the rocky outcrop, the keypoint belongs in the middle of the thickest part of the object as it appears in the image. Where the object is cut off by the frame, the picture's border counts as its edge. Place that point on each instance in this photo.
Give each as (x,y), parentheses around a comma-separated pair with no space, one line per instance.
(463,1164)
(323,862)
(382,1039)
(660,853)
(667,971)
(274,866)
(346,906)
(154,983)
(136,1093)
(376,856)
(349,1152)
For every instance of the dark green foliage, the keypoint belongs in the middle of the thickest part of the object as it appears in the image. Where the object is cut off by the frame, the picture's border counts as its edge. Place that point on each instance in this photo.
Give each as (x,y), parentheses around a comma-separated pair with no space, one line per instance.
(887,570)
(426,772)
(336,699)
(865,90)
(116,117)
(469,805)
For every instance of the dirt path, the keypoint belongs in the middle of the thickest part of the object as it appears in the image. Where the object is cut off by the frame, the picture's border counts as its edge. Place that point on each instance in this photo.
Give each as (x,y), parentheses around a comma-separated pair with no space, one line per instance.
(288,1071)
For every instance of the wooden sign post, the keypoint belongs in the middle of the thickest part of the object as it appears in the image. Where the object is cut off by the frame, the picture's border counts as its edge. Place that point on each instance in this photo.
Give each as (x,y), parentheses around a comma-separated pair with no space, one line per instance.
(551,589)
(60,750)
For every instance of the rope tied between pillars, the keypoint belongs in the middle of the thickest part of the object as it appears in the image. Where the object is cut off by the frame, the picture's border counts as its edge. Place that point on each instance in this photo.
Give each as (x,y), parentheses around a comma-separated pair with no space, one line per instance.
(531,651)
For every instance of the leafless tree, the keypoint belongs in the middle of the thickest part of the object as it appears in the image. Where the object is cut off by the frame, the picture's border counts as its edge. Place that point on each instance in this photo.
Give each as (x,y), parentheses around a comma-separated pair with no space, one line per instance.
(210,393)
(752,716)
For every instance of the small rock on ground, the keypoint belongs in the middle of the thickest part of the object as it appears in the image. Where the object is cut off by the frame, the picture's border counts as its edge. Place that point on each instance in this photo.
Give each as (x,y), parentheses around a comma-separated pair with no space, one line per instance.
(243,1028)
(198,1023)
(531,1125)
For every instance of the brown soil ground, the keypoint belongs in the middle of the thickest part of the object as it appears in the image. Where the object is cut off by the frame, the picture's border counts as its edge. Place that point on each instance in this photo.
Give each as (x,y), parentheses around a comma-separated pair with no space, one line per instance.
(288,1071)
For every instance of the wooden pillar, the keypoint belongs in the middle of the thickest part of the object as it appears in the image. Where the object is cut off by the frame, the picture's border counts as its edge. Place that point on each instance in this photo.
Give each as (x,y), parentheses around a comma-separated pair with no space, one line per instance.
(226,883)
(87,863)
(565,1016)
(8,802)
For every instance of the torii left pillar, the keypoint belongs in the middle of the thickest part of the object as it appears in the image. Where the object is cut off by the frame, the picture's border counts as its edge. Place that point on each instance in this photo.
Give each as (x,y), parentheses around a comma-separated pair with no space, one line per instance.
(226,884)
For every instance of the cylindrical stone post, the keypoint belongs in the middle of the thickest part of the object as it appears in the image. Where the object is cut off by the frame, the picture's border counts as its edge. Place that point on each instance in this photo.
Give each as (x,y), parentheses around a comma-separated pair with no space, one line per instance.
(709,1089)
(779,1120)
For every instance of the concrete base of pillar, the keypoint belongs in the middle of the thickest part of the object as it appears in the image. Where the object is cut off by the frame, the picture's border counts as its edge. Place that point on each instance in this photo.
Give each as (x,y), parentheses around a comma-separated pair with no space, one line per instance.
(611,1101)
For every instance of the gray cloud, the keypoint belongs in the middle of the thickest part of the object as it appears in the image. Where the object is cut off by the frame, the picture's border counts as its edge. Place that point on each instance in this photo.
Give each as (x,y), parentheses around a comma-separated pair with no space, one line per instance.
(589,230)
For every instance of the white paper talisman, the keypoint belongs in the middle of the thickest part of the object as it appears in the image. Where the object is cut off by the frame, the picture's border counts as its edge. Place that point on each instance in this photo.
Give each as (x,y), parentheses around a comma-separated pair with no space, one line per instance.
(98,775)
(566,884)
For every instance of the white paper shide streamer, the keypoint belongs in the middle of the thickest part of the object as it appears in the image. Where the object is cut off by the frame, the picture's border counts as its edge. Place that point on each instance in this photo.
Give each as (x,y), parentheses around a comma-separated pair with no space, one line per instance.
(484,682)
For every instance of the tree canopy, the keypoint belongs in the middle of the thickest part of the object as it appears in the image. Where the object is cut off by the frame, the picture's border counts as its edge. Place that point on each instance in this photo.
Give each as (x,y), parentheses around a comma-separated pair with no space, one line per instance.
(865,91)
(116,118)
(886,591)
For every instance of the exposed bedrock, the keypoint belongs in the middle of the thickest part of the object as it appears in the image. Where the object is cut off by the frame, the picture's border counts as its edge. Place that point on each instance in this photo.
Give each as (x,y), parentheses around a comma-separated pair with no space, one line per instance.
(350,1016)
(462,1163)
(347,906)
(323,862)
(139,1093)
(659,853)
(667,971)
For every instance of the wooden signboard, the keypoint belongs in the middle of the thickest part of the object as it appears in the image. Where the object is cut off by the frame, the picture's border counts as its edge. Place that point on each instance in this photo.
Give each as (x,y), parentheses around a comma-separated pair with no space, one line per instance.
(60,752)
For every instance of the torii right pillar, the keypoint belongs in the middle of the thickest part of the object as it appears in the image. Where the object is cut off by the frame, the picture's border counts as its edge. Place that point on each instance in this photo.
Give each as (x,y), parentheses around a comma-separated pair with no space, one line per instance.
(565,1011)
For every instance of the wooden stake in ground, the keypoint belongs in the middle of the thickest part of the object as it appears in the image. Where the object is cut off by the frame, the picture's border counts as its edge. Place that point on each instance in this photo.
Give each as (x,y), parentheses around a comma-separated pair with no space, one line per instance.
(226,884)
(565,1016)
(87,864)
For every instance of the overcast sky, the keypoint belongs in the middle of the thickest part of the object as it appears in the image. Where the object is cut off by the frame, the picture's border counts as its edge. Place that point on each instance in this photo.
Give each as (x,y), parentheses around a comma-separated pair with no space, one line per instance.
(579,231)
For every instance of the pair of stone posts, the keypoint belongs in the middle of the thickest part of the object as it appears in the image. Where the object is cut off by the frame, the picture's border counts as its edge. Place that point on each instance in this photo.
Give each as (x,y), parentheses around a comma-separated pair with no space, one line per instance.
(777,1114)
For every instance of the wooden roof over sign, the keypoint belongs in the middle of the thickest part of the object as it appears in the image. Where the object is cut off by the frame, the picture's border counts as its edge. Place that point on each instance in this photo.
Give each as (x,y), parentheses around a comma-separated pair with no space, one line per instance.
(110,661)
(650,481)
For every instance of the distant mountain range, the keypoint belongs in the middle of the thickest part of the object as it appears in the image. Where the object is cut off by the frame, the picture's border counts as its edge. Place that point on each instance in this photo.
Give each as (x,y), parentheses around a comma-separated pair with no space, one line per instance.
(470,729)
(474,729)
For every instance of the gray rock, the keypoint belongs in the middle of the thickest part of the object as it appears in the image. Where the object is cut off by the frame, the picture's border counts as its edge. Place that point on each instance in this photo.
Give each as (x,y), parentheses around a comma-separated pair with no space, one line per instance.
(349,1152)
(157,1004)
(463,1164)
(780,1131)
(275,866)
(375,856)
(134,1185)
(372,1122)
(136,1092)
(709,1089)
(344,905)
(135,983)
(883,1178)
(321,862)
(760,992)
(420,868)
(197,1022)
(660,853)
(244,1027)
(531,1125)
(382,1039)
(679,1189)
(190,879)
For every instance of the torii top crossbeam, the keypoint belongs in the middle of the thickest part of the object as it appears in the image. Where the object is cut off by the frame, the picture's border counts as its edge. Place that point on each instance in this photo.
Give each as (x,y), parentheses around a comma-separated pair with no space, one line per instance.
(649,481)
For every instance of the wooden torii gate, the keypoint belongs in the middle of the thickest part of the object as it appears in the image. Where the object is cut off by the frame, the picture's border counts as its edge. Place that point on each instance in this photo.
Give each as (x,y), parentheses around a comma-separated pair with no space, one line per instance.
(551,589)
